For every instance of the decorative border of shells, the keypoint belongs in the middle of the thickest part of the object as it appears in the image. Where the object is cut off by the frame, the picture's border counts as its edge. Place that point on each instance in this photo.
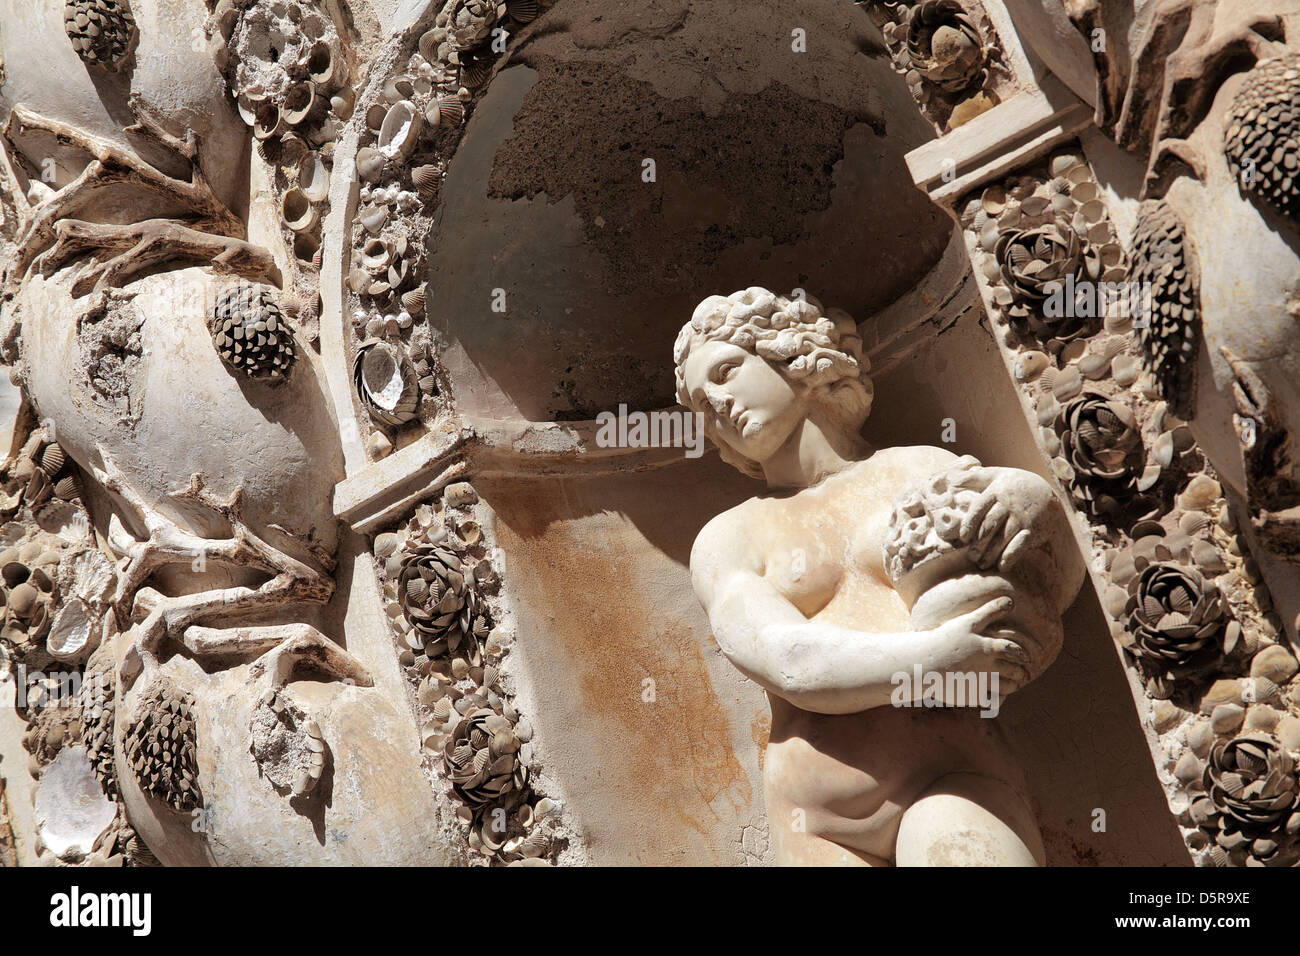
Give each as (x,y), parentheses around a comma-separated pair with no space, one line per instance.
(949,53)
(442,597)
(410,127)
(1185,599)
(56,587)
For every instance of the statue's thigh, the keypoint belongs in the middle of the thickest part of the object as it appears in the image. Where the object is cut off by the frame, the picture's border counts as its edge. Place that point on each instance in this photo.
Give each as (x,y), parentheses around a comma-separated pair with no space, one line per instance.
(966,819)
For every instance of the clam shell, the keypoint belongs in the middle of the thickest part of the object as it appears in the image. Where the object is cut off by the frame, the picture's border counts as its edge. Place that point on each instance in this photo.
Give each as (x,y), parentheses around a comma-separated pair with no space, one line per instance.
(387,383)
(324,68)
(370,164)
(314,177)
(400,130)
(300,214)
(268,121)
(299,103)
(72,635)
(398,88)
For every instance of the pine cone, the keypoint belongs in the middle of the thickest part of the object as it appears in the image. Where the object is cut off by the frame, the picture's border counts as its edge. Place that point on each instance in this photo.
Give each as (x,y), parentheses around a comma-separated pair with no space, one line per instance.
(1163,263)
(1263,132)
(438,599)
(102,31)
(251,333)
(98,707)
(160,747)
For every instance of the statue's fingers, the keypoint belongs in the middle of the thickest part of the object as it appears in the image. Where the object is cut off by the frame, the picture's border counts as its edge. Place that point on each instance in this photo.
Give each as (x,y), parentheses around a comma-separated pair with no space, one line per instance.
(986,616)
(1012,552)
(972,519)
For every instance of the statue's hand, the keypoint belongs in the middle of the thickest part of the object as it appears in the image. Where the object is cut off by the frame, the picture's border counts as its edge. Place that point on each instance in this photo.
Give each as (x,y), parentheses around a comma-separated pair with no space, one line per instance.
(968,644)
(999,522)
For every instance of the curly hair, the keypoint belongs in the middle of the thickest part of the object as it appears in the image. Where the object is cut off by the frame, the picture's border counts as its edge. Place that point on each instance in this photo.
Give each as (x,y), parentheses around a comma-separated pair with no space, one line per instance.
(806,343)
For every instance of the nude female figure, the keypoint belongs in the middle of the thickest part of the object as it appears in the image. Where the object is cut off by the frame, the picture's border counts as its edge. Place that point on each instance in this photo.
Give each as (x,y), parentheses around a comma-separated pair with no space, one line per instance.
(800,600)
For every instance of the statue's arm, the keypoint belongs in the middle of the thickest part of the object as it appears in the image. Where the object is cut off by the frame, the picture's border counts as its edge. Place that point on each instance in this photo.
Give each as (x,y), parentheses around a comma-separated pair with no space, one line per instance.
(822,667)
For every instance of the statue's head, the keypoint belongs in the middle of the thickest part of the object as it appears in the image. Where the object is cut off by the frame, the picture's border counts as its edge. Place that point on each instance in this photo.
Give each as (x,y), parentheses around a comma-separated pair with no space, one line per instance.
(757,364)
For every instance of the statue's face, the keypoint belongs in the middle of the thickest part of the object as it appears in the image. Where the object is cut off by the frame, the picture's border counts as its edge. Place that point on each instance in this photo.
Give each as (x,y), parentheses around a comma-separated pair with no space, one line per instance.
(753,407)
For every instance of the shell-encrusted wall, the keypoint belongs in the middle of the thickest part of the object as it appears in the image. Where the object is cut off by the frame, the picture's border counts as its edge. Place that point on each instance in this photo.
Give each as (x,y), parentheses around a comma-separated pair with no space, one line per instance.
(410,123)
(444,601)
(947,50)
(56,588)
(288,69)
(1185,600)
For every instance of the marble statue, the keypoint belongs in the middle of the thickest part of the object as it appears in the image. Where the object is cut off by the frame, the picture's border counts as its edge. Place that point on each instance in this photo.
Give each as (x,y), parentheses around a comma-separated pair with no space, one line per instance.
(824,595)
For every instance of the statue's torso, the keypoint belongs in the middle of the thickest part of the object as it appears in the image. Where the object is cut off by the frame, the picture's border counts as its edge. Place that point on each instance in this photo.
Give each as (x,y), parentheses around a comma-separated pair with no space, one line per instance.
(852,776)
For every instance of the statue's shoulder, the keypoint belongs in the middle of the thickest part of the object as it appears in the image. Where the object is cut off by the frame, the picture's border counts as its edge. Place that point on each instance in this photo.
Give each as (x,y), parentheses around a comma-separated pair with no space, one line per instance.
(900,465)
(728,538)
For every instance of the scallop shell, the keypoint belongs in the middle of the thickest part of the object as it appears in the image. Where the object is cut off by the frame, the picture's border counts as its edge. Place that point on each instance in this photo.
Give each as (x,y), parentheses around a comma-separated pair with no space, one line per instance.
(375,117)
(413,301)
(474,73)
(52,459)
(426,180)
(450,110)
(67,489)
(522,11)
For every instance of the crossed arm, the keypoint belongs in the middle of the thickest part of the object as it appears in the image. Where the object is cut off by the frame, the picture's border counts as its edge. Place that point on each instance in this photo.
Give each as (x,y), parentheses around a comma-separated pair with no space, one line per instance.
(826,668)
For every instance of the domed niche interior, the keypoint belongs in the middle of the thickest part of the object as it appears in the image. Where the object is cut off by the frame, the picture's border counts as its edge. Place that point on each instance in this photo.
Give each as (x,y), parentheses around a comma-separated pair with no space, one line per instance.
(765,166)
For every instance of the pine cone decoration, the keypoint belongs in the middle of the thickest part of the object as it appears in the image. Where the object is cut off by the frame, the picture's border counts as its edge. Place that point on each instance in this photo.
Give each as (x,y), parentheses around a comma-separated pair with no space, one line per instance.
(1175,619)
(1263,135)
(439,600)
(1170,335)
(482,757)
(1252,799)
(251,333)
(102,31)
(98,707)
(160,747)
(1101,445)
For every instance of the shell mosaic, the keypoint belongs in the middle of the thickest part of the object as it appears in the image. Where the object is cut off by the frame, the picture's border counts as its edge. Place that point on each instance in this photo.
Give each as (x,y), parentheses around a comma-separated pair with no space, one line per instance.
(1185,600)
(410,125)
(947,51)
(442,594)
